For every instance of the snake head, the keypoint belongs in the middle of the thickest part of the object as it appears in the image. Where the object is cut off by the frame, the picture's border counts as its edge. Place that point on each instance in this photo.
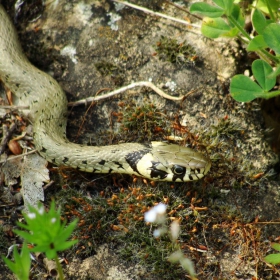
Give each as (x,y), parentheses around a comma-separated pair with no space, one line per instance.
(174,163)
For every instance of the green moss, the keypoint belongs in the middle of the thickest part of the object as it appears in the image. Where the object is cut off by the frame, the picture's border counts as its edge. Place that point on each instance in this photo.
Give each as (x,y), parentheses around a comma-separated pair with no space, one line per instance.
(142,123)
(174,52)
(106,68)
(226,128)
(118,218)
(109,69)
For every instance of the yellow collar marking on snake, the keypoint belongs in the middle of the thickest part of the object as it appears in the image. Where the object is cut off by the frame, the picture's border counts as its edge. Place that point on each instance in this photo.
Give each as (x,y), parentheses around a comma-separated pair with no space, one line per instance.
(158,161)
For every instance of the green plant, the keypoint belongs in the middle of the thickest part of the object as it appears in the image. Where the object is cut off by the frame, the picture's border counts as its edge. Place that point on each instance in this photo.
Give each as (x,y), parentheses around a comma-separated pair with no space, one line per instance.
(48,235)
(273,258)
(225,19)
(22,263)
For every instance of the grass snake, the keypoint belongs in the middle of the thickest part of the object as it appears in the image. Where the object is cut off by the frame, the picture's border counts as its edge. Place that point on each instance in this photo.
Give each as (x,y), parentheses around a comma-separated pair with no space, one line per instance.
(158,161)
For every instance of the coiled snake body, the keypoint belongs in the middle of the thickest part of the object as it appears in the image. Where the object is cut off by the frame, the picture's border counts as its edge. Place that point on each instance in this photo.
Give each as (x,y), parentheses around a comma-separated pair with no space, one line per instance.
(48,105)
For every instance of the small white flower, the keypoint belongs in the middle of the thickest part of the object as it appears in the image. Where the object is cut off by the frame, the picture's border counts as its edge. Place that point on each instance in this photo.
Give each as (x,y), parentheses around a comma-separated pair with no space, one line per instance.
(150,216)
(160,208)
(41,210)
(154,213)
(157,233)
(53,220)
(31,215)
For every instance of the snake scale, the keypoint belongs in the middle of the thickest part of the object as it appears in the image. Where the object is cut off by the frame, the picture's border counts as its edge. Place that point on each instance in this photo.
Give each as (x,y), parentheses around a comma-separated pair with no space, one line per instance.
(158,161)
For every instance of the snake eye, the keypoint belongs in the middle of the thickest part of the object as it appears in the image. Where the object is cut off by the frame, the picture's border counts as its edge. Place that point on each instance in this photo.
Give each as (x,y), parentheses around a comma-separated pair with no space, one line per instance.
(178,170)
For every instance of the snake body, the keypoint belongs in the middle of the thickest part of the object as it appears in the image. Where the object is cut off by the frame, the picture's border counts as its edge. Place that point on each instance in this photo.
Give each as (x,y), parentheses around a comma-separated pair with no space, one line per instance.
(157,161)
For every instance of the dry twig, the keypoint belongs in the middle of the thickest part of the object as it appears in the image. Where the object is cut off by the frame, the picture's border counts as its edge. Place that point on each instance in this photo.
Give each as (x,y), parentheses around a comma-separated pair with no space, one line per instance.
(130,86)
(145,10)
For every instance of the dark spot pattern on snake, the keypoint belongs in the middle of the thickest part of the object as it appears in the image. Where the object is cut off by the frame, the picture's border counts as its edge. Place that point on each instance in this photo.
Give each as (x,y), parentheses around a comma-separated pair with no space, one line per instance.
(65,160)
(118,164)
(156,172)
(134,157)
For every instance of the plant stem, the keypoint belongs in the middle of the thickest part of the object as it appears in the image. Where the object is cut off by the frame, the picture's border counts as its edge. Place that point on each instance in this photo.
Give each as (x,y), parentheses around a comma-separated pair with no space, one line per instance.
(268,55)
(270,11)
(246,35)
(240,28)
(271,94)
(59,268)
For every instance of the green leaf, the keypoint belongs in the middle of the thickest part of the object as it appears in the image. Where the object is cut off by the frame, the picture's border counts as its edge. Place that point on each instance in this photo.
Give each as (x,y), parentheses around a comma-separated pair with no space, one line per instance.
(261,69)
(273,258)
(44,247)
(231,33)
(237,15)
(214,28)
(243,89)
(11,265)
(263,5)
(25,260)
(61,239)
(259,21)
(206,10)
(257,43)
(275,246)
(50,254)
(271,35)
(66,245)
(274,74)
(27,236)
(69,229)
(226,5)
